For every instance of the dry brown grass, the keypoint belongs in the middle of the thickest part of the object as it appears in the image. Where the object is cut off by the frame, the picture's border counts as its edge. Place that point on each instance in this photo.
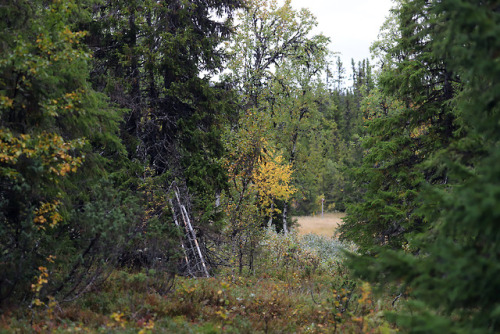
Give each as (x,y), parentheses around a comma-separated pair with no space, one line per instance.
(325,225)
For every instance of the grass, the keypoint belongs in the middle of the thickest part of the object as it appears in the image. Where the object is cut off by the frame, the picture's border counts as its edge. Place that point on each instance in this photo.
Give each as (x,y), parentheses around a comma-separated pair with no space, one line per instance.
(300,286)
(325,225)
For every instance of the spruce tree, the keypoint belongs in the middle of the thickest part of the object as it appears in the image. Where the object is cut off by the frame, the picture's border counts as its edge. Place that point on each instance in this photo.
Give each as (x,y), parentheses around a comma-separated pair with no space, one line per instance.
(408,120)
(57,139)
(156,60)
(452,281)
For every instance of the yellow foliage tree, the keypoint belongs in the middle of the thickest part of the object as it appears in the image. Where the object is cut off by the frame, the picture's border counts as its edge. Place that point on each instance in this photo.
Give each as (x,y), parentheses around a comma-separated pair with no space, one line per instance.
(272,180)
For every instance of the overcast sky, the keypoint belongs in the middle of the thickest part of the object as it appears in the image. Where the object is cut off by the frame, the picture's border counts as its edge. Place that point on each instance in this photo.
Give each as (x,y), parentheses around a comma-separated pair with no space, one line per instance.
(352,25)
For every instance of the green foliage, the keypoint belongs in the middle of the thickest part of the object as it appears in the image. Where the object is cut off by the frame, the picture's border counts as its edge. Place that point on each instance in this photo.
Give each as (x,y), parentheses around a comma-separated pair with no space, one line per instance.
(276,67)
(452,275)
(52,124)
(408,120)
(157,65)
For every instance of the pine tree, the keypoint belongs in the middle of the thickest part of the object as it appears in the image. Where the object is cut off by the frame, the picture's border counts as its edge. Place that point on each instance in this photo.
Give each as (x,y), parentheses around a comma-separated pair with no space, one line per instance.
(346,151)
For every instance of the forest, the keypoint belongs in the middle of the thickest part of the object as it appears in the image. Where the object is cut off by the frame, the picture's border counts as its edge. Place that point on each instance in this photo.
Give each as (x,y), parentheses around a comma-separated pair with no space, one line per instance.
(155,153)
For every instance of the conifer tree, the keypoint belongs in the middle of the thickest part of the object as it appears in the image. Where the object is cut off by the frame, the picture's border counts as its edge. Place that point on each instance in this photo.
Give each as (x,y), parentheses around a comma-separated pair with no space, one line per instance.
(155,59)
(57,137)
(408,121)
(452,281)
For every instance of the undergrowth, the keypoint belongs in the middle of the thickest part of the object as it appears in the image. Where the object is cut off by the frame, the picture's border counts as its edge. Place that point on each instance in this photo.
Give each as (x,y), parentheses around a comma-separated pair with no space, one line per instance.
(300,286)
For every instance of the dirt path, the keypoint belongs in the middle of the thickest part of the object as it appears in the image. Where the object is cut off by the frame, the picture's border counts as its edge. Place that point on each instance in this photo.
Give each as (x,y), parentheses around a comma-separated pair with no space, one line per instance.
(320,225)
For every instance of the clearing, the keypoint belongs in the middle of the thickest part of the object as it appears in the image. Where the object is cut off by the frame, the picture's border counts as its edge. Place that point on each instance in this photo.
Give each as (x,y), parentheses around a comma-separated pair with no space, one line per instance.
(325,225)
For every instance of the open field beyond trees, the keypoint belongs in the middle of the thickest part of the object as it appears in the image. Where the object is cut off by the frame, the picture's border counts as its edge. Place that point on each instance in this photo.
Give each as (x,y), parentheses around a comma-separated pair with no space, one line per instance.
(322,225)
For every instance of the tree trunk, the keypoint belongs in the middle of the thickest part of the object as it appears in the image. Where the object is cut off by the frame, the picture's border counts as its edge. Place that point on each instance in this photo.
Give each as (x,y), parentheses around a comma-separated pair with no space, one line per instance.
(285,227)
(240,258)
(270,223)
(251,255)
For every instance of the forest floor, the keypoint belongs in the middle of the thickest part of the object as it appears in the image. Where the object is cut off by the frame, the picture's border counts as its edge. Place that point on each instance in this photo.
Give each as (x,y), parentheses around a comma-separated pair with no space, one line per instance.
(299,285)
(325,225)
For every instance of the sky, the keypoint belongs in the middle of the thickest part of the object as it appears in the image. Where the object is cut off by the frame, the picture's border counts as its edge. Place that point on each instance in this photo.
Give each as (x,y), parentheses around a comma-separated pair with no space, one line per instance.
(352,25)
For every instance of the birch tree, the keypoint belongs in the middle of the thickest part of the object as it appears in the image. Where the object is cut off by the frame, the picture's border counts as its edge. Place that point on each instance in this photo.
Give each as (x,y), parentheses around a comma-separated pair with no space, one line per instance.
(276,67)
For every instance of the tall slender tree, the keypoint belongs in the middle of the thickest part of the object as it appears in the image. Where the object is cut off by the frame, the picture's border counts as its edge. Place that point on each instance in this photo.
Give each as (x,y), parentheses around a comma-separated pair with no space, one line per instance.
(409,121)
(452,280)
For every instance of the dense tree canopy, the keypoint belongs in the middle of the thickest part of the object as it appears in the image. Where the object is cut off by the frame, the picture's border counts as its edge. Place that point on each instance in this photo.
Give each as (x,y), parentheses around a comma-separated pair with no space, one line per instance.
(72,181)
(443,117)
(163,137)
(53,161)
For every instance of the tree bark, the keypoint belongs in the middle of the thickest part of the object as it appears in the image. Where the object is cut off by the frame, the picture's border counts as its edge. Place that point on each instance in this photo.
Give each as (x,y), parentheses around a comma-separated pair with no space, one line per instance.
(285,227)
